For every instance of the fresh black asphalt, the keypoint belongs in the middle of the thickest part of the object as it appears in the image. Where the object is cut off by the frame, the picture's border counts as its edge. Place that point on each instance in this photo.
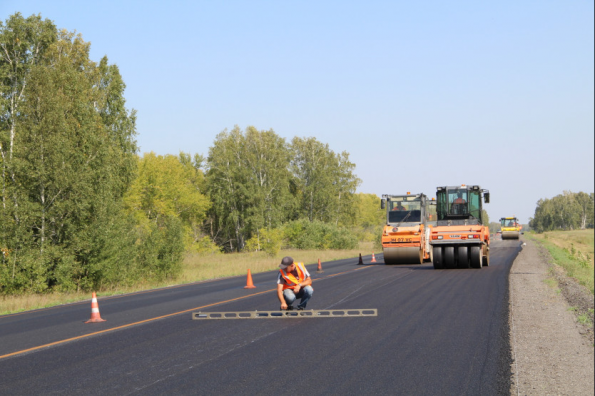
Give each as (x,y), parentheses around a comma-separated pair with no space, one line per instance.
(437,332)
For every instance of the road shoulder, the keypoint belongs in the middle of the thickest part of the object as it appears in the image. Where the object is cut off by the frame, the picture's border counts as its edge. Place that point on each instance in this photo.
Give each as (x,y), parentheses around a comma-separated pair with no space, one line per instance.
(550,355)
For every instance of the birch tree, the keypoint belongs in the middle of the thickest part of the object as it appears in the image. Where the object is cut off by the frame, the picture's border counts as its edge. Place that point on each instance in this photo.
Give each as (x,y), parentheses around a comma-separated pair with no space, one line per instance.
(584,203)
(226,184)
(269,190)
(70,160)
(566,211)
(325,182)
(249,184)
(23,43)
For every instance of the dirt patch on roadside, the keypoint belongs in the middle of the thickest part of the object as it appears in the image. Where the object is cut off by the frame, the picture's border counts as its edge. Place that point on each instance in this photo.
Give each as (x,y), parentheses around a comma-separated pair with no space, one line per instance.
(552,352)
(577,297)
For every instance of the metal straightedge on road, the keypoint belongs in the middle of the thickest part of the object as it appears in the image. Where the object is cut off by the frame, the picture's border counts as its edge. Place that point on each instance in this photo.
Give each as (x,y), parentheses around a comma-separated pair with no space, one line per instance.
(313,313)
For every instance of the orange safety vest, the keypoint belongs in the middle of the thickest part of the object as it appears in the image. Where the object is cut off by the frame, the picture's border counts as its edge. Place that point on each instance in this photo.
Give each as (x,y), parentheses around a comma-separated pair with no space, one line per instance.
(290,280)
(459,201)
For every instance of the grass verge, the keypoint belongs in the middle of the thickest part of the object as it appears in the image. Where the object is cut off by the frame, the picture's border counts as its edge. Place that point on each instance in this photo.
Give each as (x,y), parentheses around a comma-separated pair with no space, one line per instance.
(195,268)
(585,319)
(572,251)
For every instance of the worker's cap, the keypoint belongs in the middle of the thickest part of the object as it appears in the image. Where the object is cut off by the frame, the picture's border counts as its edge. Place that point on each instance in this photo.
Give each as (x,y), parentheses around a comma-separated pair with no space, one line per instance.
(286,262)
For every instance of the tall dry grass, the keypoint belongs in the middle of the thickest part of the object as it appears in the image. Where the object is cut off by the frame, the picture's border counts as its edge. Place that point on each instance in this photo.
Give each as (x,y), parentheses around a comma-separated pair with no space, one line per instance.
(579,242)
(25,302)
(202,267)
(573,252)
(195,268)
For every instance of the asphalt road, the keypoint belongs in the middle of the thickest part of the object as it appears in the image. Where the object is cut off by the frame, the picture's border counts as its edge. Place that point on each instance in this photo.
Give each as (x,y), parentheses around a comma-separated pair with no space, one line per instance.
(437,332)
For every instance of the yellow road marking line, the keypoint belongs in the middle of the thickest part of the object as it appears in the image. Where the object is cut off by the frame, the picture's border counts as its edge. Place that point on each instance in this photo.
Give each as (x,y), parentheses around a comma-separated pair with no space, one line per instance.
(151,319)
(86,301)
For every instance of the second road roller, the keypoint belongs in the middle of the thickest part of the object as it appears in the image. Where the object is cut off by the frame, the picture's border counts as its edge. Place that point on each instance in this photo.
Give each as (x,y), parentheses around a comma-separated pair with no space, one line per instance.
(406,235)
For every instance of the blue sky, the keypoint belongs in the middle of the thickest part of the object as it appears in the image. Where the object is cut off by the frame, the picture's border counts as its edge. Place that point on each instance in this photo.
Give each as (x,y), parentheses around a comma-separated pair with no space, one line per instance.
(420,94)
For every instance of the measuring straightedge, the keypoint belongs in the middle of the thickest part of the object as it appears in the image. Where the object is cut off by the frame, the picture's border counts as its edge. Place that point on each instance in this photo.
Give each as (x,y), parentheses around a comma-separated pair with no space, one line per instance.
(313,313)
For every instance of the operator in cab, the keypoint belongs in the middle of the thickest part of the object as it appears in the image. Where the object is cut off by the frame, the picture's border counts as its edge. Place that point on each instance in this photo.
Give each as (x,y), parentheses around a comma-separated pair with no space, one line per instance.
(399,206)
(459,199)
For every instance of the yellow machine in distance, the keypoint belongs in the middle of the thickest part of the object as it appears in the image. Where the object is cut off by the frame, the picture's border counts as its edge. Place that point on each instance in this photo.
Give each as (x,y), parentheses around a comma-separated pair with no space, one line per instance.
(510,227)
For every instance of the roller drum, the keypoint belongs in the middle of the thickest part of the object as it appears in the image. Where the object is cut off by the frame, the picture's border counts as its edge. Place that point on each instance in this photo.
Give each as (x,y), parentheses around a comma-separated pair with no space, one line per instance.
(510,234)
(403,255)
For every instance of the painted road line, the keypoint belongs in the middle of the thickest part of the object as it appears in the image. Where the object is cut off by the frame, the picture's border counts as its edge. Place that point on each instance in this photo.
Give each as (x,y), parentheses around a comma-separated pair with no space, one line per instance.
(150,320)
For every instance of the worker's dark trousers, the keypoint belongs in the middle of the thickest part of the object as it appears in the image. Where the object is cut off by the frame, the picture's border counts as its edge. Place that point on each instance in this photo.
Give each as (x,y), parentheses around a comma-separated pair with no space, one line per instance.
(305,294)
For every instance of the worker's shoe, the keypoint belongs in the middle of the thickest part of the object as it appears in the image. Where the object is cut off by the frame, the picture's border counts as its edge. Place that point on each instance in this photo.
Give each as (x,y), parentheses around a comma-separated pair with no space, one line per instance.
(290,307)
(300,308)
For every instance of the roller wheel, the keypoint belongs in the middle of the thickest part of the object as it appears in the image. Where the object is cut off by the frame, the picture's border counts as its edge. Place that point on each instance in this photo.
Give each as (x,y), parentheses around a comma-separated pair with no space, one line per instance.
(463,257)
(409,255)
(476,257)
(486,258)
(449,257)
(437,257)
(421,256)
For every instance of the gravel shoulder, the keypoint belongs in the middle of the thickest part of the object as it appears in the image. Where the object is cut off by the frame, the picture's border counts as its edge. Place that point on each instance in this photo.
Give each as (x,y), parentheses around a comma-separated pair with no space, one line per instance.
(552,352)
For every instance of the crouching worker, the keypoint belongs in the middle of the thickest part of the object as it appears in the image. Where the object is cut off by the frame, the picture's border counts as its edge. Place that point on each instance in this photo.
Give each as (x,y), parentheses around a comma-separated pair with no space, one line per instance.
(293,282)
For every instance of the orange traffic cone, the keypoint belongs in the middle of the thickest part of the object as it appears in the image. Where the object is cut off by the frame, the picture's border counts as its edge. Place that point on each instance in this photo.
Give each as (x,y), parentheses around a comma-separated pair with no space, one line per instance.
(319,267)
(373,258)
(360,260)
(95,317)
(249,284)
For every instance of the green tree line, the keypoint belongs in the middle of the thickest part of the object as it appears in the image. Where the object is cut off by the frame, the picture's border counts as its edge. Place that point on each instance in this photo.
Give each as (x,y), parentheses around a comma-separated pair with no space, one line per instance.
(566,211)
(81,210)
(66,159)
(257,181)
